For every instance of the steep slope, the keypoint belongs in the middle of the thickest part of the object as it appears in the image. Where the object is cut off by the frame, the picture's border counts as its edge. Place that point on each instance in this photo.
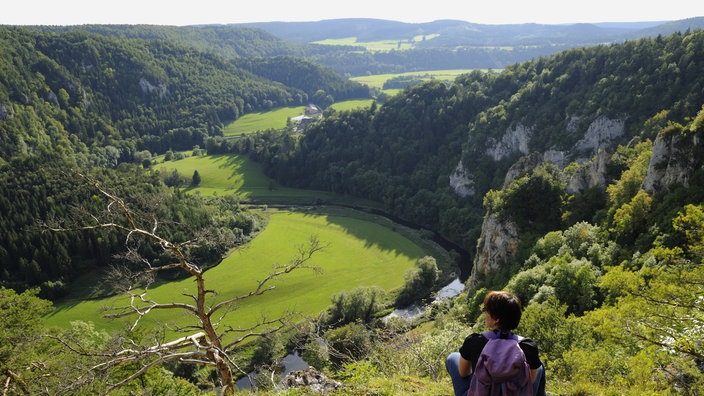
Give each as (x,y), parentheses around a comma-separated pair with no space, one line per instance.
(566,108)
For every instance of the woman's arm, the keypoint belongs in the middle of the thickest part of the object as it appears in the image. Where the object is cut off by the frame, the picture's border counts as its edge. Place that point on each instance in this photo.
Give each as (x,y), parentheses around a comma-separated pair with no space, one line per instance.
(465,367)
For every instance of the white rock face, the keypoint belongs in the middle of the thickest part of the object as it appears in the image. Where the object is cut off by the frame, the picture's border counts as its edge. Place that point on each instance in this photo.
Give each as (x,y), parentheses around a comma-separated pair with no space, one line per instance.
(671,162)
(601,133)
(148,87)
(497,245)
(6,111)
(524,165)
(499,241)
(591,174)
(559,158)
(461,182)
(514,140)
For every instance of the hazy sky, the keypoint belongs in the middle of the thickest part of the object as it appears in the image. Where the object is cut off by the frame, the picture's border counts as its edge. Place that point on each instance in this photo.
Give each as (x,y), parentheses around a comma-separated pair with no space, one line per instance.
(178,12)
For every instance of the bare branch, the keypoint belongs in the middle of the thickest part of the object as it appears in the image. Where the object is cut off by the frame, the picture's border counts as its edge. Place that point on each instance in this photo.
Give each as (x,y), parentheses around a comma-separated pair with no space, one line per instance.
(251,331)
(304,254)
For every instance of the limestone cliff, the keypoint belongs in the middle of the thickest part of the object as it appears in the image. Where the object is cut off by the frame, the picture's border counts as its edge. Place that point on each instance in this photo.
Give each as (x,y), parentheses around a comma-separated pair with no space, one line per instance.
(6,111)
(590,174)
(673,161)
(498,243)
(461,182)
(524,165)
(601,134)
(500,239)
(514,140)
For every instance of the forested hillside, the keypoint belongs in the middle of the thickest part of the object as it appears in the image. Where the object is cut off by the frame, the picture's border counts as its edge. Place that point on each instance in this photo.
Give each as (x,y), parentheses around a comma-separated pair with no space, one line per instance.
(404,153)
(79,101)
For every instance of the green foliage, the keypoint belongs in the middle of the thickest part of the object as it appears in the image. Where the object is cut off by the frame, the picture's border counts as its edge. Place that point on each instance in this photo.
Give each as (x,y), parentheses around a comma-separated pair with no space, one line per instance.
(21,318)
(636,162)
(690,225)
(267,349)
(349,343)
(359,305)
(548,324)
(531,201)
(306,76)
(195,180)
(419,282)
(565,265)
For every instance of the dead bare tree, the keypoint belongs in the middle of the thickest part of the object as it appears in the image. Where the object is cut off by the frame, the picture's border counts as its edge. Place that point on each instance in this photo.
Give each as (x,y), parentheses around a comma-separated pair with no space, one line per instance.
(210,343)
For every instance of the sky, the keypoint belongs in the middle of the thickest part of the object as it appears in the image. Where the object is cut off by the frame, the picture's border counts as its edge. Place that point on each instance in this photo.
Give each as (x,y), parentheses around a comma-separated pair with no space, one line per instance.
(180,12)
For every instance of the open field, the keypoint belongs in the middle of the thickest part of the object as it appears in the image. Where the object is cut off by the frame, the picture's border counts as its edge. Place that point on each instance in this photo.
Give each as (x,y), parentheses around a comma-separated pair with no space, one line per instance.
(234,174)
(253,122)
(378,80)
(276,119)
(380,45)
(359,253)
(352,104)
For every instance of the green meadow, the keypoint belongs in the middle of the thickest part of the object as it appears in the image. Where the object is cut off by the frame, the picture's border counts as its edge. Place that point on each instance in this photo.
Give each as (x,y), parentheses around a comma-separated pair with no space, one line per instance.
(378,80)
(352,104)
(235,174)
(362,250)
(379,45)
(358,253)
(277,118)
(261,121)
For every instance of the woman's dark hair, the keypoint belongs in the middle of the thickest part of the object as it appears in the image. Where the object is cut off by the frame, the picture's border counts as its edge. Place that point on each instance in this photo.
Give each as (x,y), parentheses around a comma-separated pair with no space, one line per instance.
(504,307)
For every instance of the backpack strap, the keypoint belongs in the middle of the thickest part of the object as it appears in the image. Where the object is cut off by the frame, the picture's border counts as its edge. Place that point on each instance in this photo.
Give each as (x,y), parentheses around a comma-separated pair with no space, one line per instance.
(493,334)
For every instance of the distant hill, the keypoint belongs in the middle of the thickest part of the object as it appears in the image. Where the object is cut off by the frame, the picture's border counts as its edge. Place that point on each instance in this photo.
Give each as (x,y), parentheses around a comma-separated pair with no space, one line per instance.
(472,34)
(453,44)
(437,45)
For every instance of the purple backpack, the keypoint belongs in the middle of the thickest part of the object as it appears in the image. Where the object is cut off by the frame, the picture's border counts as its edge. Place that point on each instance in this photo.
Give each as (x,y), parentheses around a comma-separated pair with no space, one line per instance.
(501,369)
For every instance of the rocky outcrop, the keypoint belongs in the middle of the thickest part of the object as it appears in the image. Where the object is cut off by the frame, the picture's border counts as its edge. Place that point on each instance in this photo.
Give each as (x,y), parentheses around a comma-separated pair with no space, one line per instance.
(514,140)
(590,174)
(6,111)
(500,238)
(311,379)
(149,88)
(601,133)
(461,182)
(524,165)
(497,245)
(673,161)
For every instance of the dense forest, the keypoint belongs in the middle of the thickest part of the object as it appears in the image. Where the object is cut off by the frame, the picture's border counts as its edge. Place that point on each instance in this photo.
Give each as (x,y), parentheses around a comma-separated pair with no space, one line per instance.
(582,169)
